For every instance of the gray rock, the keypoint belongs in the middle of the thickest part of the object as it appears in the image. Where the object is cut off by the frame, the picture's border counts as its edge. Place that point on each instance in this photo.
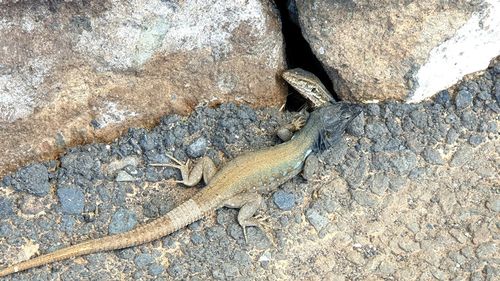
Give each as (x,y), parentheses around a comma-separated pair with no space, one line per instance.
(6,207)
(494,205)
(72,200)
(156,269)
(197,148)
(487,250)
(364,198)
(122,220)
(33,179)
(357,126)
(379,183)
(452,136)
(317,220)
(463,99)
(284,200)
(123,176)
(404,162)
(311,167)
(476,140)
(462,156)
(143,260)
(433,156)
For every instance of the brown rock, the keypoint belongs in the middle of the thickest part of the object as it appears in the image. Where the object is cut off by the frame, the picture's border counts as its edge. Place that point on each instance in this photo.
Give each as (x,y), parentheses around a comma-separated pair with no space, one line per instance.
(73,73)
(383,50)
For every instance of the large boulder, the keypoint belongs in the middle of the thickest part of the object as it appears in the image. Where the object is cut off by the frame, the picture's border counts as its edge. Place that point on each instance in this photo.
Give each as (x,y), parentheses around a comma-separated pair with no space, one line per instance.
(401,50)
(77,71)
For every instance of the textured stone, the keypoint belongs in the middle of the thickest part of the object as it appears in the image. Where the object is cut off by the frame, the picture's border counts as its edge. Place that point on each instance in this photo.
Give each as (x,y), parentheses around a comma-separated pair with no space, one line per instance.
(388,50)
(118,64)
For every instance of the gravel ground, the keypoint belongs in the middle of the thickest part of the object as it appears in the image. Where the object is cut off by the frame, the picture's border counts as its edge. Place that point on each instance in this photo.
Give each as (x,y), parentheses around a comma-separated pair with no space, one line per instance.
(411,193)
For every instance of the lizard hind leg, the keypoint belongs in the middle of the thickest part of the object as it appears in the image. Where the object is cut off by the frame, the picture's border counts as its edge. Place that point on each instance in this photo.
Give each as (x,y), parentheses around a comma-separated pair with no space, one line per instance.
(190,177)
(248,203)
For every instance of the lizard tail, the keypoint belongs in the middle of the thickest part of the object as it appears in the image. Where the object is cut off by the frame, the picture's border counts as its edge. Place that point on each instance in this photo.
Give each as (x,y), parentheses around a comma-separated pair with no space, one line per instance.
(179,217)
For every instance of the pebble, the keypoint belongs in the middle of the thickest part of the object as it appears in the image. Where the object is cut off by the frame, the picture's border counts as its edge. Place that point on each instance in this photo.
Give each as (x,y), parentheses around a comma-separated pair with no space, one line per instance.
(311,166)
(476,140)
(461,156)
(123,176)
(143,260)
(284,200)
(463,99)
(433,156)
(493,205)
(72,200)
(197,148)
(156,269)
(357,126)
(487,250)
(6,207)
(121,221)
(317,220)
(33,179)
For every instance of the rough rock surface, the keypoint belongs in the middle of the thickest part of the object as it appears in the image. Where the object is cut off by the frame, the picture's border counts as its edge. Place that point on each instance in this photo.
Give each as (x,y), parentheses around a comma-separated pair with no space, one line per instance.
(77,71)
(399,202)
(402,50)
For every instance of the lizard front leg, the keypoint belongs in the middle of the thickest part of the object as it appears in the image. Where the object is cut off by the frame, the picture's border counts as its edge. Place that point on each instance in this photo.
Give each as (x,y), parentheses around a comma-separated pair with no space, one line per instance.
(190,177)
(248,203)
(286,132)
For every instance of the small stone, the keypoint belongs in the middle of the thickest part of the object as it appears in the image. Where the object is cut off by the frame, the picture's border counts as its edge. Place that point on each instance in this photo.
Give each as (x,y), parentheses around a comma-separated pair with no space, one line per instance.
(364,198)
(33,179)
(284,200)
(461,156)
(355,257)
(230,270)
(122,220)
(31,205)
(443,98)
(493,205)
(452,136)
(143,260)
(458,235)
(72,200)
(311,166)
(6,207)
(197,148)
(432,156)
(197,238)
(475,140)
(317,220)
(116,165)
(124,177)
(487,251)
(357,126)
(379,183)
(463,99)
(156,269)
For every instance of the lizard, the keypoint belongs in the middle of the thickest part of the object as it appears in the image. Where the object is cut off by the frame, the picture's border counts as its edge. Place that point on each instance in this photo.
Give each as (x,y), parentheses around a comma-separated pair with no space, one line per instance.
(239,184)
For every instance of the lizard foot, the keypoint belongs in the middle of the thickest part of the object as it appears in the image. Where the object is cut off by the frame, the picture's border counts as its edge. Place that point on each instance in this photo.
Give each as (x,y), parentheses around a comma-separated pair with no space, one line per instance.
(191,176)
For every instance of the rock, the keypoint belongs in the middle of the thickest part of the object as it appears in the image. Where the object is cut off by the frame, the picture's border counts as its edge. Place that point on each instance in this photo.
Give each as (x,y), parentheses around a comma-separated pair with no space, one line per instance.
(487,250)
(461,156)
(357,126)
(475,140)
(463,99)
(116,165)
(317,220)
(156,269)
(123,176)
(143,260)
(116,65)
(122,220)
(33,179)
(284,200)
(6,207)
(311,167)
(493,205)
(72,200)
(413,45)
(432,156)
(197,148)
